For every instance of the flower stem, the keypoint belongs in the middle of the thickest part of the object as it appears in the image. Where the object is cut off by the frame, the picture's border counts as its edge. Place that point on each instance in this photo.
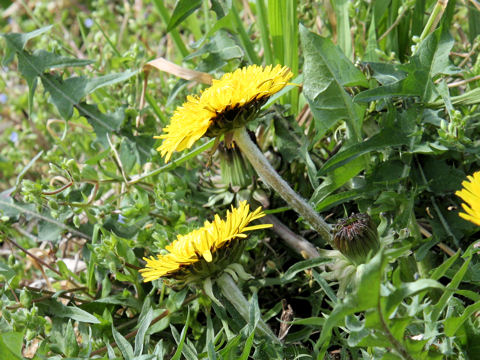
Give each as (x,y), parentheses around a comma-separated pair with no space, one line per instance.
(233,294)
(271,177)
(303,247)
(434,18)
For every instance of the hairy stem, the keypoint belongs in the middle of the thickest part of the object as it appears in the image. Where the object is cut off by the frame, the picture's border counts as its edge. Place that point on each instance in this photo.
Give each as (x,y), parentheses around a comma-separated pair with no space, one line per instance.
(233,294)
(302,246)
(271,177)
(434,18)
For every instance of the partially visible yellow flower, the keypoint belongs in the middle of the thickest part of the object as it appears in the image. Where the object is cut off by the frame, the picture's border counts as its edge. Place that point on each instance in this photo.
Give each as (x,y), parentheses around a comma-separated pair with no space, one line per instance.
(471,195)
(207,250)
(228,104)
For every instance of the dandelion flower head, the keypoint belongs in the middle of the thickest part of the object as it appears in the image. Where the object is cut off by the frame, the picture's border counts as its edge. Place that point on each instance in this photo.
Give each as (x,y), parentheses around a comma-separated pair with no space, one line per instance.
(229,103)
(207,250)
(471,195)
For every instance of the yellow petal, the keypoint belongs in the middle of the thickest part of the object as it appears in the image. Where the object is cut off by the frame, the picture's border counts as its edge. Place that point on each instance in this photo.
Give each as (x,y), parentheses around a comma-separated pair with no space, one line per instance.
(207,255)
(471,195)
(192,120)
(202,243)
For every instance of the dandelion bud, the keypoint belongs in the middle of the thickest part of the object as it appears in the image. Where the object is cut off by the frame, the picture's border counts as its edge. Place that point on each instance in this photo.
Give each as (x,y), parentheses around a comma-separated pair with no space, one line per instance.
(236,172)
(356,237)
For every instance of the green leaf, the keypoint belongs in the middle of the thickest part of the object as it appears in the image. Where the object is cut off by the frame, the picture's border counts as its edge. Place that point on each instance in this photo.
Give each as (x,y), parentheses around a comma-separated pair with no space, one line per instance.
(65,271)
(451,287)
(369,277)
(11,345)
(65,94)
(144,324)
(411,86)
(103,124)
(370,51)
(182,10)
(366,296)
(311,321)
(10,208)
(336,318)
(253,313)
(387,138)
(7,272)
(22,173)
(120,299)
(221,7)
(386,73)
(221,48)
(336,199)
(473,22)
(70,341)
(123,344)
(407,290)
(128,155)
(452,324)
(16,42)
(210,337)
(344,36)
(107,80)
(48,231)
(326,72)
(59,310)
(324,285)
(180,340)
(442,178)
(430,60)
(336,178)
(247,347)
(471,97)
(32,66)
(301,266)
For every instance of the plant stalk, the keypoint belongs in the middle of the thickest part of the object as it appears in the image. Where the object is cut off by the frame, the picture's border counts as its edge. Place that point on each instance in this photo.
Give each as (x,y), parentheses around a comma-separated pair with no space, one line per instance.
(271,177)
(434,18)
(233,294)
(302,246)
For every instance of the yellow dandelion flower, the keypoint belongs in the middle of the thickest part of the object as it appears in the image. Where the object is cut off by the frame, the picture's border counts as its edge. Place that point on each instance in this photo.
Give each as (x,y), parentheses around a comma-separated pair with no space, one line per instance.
(471,195)
(205,251)
(228,104)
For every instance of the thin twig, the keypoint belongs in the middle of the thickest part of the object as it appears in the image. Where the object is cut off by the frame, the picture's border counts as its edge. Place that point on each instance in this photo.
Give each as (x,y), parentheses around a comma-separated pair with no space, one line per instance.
(463,82)
(36,258)
(469,55)
(54,192)
(131,266)
(40,261)
(445,248)
(118,161)
(49,295)
(395,23)
(476,4)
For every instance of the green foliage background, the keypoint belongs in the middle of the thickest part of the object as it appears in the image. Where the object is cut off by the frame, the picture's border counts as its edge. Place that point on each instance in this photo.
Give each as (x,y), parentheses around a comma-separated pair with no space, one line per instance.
(385,122)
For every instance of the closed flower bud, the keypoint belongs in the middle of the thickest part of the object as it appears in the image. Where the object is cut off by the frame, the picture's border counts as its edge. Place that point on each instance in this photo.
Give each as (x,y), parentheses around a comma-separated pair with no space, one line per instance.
(235,171)
(356,237)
